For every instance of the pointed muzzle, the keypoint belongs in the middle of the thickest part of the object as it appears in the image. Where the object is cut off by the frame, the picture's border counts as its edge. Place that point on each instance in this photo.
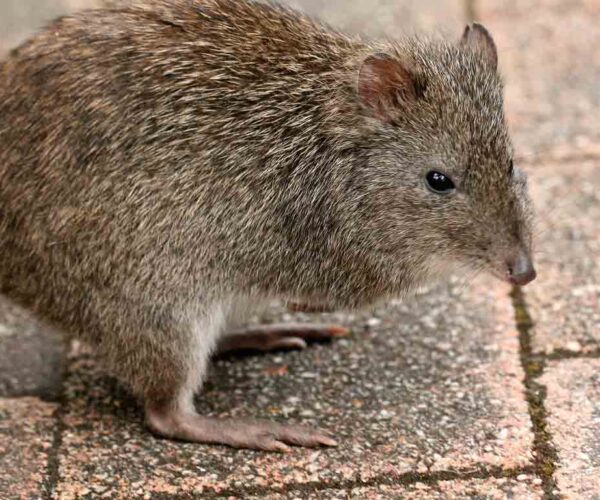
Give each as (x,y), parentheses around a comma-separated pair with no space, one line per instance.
(520,270)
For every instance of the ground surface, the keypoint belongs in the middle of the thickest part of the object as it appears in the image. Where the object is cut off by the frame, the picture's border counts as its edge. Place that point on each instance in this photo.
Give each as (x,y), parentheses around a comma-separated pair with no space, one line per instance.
(459,392)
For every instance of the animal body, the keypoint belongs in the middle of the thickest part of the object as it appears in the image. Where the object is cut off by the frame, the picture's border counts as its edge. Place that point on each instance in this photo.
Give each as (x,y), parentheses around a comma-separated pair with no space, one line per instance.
(165,164)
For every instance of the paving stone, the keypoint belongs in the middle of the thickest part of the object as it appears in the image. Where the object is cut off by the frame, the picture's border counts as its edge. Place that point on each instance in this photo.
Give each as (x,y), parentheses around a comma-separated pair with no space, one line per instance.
(549,55)
(525,488)
(19,19)
(26,436)
(573,405)
(387,17)
(436,385)
(31,355)
(564,301)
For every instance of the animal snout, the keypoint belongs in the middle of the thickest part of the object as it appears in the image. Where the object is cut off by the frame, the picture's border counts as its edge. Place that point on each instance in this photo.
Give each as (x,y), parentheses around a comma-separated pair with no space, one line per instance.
(519,269)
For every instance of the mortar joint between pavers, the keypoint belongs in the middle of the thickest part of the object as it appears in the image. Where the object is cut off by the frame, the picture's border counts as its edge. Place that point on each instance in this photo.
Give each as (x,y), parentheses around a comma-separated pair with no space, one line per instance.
(545,454)
(478,471)
(563,354)
(53,464)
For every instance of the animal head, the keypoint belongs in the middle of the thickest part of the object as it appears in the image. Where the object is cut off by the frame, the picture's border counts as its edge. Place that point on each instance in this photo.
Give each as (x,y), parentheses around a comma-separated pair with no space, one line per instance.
(439,161)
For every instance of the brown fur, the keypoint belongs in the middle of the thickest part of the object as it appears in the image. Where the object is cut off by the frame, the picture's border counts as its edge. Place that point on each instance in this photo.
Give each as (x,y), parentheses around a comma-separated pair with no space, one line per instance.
(161,162)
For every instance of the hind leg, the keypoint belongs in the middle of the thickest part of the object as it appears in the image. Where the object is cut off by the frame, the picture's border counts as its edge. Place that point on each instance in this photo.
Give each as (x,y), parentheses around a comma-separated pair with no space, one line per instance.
(177,419)
(278,336)
(166,368)
(271,337)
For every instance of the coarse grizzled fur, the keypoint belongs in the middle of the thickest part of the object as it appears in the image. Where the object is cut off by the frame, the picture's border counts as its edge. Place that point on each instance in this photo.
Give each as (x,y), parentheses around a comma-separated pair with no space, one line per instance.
(162,162)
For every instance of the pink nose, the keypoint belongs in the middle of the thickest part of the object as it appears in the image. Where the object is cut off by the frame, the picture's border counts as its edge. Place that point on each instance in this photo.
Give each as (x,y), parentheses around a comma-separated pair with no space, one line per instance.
(520,270)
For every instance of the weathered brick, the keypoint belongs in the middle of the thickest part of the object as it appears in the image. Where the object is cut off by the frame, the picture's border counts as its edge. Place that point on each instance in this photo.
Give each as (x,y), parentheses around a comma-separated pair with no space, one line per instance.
(27,427)
(564,302)
(573,405)
(549,55)
(523,488)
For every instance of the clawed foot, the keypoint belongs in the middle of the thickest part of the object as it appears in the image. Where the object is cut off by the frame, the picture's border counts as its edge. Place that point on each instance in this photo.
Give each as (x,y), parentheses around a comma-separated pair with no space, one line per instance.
(255,435)
(279,336)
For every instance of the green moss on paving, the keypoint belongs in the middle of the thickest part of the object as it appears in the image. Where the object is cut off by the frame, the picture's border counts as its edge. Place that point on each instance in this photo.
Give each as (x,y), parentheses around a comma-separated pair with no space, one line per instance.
(545,453)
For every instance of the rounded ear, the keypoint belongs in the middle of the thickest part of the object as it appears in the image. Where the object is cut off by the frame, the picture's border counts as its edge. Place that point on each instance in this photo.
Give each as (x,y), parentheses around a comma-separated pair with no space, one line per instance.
(384,85)
(478,38)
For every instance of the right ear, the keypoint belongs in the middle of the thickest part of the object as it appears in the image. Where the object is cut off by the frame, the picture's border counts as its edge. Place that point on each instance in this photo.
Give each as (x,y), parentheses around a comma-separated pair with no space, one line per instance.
(384,85)
(478,38)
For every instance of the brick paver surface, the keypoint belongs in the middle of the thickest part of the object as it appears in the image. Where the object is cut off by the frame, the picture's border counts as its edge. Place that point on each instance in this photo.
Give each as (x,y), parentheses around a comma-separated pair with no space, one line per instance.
(565,300)
(20,18)
(27,429)
(31,354)
(524,488)
(548,51)
(573,403)
(427,396)
(387,18)
(552,65)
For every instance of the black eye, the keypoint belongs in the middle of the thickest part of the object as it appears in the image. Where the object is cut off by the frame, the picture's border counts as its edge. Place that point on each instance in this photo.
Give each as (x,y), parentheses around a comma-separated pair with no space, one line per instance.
(439,183)
(511,168)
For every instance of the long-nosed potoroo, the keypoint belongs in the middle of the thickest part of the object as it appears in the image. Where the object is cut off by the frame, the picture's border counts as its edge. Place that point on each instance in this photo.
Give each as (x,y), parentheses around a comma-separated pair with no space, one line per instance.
(166,163)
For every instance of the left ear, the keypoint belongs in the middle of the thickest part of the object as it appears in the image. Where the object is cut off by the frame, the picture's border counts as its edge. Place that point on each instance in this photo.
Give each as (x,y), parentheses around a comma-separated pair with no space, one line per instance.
(476,37)
(385,85)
